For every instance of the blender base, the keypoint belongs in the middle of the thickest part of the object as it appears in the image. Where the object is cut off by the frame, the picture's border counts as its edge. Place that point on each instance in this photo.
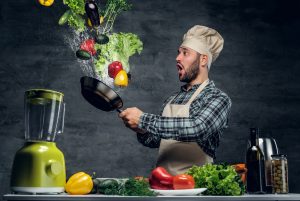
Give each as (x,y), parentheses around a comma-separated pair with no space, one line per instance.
(37,190)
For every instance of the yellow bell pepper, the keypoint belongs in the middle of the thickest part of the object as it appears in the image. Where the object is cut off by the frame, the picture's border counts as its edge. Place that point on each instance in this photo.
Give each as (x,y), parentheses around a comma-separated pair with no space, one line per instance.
(46,2)
(79,184)
(121,79)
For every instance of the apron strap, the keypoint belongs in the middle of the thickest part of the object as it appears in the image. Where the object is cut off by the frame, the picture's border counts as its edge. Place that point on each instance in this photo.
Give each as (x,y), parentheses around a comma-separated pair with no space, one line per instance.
(198,91)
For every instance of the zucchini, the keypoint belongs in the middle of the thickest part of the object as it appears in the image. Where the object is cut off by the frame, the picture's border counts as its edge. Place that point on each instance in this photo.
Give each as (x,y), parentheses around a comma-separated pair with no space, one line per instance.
(101,39)
(82,54)
(64,18)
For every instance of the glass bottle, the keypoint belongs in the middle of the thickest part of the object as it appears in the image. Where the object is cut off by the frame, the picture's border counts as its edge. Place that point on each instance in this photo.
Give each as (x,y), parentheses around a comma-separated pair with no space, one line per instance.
(256,182)
(280,174)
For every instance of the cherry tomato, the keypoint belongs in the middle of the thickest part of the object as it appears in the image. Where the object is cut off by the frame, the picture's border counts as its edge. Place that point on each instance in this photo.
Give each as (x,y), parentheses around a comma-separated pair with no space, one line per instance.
(141,178)
(183,181)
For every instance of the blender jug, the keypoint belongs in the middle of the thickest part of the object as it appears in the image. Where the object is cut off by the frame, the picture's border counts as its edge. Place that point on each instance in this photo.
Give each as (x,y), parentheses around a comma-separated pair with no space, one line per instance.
(39,166)
(44,115)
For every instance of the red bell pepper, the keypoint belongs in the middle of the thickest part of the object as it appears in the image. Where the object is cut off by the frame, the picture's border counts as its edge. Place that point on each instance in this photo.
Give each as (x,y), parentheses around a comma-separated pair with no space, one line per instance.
(162,175)
(89,46)
(155,184)
(114,68)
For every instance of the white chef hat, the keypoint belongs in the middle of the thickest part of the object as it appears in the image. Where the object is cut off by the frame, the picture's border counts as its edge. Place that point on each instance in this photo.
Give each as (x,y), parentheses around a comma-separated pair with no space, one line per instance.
(204,40)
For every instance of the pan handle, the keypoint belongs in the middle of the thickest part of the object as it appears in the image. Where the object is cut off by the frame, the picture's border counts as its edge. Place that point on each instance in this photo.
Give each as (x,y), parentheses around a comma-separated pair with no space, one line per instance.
(119,110)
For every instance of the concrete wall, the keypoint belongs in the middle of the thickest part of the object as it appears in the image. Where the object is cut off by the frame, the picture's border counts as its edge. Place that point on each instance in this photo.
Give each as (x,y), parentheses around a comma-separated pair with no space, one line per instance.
(258,69)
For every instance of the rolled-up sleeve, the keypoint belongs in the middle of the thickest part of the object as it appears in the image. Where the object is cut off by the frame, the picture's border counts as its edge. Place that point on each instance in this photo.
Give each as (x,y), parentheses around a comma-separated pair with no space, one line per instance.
(206,120)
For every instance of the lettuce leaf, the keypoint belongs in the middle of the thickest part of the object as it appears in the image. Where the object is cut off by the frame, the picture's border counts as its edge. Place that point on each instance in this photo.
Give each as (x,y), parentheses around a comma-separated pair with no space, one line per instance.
(219,179)
(77,6)
(75,19)
(121,47)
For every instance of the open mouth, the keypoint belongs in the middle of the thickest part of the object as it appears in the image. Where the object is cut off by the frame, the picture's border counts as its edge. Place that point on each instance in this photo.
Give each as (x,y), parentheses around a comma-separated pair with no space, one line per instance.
(179,68)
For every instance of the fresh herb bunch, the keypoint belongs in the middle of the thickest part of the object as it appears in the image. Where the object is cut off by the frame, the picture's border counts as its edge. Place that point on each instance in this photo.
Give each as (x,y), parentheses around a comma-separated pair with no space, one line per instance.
(219,179)
(135,187)
(112,9)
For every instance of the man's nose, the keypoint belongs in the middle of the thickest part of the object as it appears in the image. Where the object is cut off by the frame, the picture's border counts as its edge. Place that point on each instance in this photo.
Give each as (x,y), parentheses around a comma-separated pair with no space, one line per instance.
(178,58)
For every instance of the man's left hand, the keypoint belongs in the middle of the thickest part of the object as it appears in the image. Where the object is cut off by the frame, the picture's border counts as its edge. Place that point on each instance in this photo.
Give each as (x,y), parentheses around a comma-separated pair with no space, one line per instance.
(131,117)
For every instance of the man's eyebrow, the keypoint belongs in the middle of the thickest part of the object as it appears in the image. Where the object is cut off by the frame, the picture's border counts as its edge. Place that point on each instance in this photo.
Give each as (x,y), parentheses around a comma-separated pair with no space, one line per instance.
(183,48)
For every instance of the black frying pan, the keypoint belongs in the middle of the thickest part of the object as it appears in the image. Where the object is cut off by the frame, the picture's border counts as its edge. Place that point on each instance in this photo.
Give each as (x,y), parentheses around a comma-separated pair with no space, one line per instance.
(100,95)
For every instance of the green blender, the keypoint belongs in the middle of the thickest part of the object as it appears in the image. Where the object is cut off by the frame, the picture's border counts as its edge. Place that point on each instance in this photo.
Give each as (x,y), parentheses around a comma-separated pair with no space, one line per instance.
(39,166)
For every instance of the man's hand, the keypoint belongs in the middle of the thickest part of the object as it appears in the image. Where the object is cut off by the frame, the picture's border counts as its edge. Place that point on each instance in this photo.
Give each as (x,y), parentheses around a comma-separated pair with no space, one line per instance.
(131,118)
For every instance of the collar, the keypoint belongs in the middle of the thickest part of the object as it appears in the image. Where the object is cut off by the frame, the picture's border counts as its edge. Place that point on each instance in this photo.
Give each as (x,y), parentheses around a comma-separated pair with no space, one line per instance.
(194,87)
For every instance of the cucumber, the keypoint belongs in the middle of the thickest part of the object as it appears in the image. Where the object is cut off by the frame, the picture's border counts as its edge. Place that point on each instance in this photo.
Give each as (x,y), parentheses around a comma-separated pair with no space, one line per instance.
(82,54)
(101,39)
(107,185)
(64,18)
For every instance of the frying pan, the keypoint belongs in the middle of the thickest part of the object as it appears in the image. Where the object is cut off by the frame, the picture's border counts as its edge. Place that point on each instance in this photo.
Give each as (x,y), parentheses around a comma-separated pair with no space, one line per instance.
(100,95)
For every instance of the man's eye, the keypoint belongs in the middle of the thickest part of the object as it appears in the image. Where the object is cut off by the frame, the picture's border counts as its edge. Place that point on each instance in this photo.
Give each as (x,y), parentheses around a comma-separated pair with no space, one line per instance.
(185,53)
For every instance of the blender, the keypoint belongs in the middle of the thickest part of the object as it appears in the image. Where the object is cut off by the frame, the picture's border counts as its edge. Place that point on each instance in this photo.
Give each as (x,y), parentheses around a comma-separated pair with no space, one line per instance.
(39,166)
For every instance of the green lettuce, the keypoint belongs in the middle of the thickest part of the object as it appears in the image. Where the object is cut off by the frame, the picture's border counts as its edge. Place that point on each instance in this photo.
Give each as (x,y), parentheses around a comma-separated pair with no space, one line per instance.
(77,6)
(75,19)
(218,179)
(119,48)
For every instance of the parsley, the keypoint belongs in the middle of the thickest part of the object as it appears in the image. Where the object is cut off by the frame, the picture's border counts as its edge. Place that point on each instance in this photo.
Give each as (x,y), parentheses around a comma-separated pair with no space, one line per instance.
(134,187)
(112,9)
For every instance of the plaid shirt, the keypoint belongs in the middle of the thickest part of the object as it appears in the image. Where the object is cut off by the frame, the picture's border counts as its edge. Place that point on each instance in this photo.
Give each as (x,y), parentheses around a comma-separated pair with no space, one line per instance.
(208,118)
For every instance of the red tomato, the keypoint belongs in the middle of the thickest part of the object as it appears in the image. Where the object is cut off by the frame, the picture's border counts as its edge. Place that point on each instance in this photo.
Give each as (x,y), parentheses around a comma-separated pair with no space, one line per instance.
(183,181)
(114,68)
(88,45)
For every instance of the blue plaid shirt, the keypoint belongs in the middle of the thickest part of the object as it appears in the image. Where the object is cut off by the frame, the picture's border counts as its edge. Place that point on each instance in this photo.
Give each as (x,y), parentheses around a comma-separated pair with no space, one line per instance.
(208,118)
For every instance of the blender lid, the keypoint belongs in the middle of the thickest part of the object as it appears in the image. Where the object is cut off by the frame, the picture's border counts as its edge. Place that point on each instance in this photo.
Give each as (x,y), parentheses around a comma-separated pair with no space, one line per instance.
(44,94)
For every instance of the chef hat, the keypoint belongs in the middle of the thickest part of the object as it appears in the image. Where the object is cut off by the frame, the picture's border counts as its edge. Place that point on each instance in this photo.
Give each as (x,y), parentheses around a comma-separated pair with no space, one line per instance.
(204,40)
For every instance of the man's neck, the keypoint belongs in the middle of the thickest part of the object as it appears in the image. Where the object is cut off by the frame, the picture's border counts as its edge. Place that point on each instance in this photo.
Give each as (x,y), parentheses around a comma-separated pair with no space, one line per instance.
(198,80)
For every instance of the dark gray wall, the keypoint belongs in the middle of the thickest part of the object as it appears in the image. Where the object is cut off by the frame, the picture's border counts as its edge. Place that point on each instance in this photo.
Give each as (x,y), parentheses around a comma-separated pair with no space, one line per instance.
(258,68)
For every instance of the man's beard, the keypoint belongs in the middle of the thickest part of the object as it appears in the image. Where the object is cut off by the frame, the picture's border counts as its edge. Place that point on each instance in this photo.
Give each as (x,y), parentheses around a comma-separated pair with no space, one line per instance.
(192,72)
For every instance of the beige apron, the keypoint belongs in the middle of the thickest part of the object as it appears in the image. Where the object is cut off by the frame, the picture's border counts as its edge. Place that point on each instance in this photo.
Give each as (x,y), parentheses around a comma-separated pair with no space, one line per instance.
(178,156)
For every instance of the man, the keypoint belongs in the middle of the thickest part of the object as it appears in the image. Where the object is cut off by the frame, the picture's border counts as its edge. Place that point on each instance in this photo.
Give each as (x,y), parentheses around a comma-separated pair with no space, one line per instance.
(188,130)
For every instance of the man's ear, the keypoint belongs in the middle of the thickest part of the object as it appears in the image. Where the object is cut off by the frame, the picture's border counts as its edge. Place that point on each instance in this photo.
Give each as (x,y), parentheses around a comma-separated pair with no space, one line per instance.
(203,60)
